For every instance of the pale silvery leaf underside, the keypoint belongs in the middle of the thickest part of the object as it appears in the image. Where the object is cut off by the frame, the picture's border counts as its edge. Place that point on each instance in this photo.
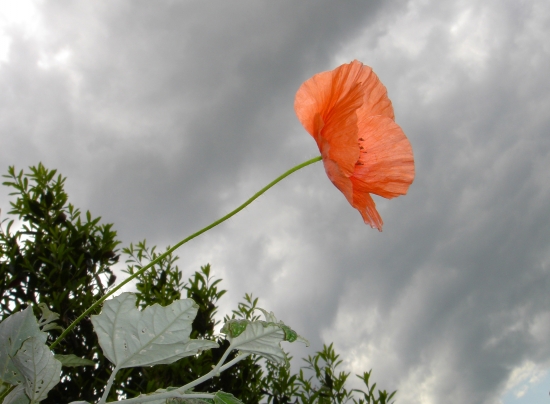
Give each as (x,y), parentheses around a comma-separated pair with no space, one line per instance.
(14,331)
(157,335)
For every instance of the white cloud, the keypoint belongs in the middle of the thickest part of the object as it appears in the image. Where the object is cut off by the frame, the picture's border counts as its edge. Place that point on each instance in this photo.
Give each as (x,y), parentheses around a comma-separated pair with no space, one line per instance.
(59,59)
(17,15)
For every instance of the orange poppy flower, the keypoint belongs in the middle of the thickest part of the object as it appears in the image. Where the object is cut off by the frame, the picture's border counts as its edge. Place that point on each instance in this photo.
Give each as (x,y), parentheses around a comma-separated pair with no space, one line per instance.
(349,114)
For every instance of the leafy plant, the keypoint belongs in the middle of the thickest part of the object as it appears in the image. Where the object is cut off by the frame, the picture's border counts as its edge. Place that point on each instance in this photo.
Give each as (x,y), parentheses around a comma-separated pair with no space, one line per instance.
(129,338)
(328,385)
(61,259)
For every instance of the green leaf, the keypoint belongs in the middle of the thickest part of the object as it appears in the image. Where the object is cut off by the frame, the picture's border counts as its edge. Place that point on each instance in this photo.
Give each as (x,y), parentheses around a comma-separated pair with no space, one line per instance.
(225,398)
(156,335)
(41,370)
(13,332)
(234,328)
(260,337)
(73,361)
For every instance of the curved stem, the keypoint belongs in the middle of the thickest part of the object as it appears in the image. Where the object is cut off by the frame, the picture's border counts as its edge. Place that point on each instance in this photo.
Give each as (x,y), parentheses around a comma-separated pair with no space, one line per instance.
(182,242)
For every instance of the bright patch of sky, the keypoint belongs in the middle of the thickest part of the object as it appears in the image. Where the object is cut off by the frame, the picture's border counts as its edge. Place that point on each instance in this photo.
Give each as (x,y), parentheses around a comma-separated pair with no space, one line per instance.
(19,15)
(528,384)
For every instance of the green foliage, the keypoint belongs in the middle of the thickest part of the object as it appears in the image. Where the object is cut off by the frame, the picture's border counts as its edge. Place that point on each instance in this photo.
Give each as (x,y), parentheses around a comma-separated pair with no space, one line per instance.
(248,380)
(279,385)
(56,255)
(327,385)
(60,259)
(368,396)
(162,284)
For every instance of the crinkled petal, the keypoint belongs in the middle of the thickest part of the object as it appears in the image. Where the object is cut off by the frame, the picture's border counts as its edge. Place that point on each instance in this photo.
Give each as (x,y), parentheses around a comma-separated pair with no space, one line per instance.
(341,181)
(311,101)
(386,165)
(326,105)
(365,205)
(375,101)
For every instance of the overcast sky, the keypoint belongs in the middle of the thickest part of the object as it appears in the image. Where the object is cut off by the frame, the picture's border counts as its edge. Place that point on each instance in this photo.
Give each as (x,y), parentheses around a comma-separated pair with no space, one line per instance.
(166,115)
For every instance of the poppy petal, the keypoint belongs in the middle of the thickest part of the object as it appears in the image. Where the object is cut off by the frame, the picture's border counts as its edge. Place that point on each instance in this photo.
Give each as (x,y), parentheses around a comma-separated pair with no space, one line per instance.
(386,165)
(337,177)
(375,101)
(326,106)
(364,203)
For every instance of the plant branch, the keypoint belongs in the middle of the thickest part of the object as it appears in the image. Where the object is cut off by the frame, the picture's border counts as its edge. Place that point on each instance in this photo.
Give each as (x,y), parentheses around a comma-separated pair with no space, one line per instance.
(216,370)
(234,361)
(164,396)
(108,386)
(181,392)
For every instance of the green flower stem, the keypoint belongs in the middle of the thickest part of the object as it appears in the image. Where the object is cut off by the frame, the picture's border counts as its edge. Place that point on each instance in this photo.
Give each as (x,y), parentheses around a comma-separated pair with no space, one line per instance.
(182,242)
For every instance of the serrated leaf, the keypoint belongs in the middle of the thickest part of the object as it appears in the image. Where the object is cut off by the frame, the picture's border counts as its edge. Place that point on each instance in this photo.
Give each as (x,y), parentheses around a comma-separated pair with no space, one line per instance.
(290,334)
(156,335)
(260,337)
(13,332)
(73,361)
(225,398)
(41,370)
(47,318)
(269,316)
(17,396)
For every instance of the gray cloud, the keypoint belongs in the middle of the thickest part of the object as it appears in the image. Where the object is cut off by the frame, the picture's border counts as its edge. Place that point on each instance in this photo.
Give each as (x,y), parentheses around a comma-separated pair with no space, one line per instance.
(165,116)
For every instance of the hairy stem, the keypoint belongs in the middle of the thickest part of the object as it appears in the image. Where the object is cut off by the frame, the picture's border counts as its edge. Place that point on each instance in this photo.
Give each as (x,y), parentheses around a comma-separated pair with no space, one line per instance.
(182,242)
